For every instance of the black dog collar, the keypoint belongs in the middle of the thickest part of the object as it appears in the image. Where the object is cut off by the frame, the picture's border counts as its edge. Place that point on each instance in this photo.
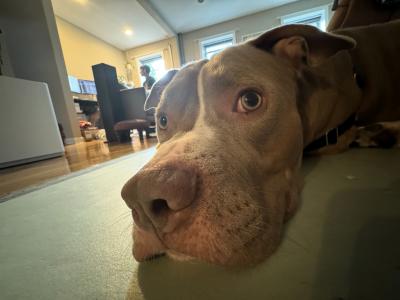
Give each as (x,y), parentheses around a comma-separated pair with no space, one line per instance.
(331,137)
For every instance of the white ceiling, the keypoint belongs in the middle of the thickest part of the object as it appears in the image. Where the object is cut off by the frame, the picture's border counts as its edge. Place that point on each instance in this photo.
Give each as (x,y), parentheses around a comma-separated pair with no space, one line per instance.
(188,15)
(107,19)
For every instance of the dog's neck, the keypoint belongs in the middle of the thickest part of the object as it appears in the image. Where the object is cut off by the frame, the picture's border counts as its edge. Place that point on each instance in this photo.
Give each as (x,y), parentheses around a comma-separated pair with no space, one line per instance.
(328,95)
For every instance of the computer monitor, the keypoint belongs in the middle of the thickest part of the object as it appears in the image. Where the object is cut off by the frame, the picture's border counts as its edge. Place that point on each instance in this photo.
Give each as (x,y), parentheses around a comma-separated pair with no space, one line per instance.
(74,84)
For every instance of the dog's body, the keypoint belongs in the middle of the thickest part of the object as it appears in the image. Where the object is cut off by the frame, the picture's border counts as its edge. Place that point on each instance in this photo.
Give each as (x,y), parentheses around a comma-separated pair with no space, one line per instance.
(376,60)
(232,131)
(378,65)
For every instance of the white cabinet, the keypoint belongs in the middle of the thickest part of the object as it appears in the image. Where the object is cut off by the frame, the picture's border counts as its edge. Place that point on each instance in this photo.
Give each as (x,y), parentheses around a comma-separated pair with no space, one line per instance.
(28,126)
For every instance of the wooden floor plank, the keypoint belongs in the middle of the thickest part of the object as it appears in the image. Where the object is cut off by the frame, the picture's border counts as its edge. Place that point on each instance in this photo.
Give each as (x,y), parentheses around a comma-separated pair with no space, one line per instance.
(77,157)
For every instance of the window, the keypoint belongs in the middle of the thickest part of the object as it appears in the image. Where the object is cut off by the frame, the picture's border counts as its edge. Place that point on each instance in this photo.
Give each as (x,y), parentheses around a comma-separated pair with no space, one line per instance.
(156,64)
(317,17)
(251,36)
(74,84)
(213,45)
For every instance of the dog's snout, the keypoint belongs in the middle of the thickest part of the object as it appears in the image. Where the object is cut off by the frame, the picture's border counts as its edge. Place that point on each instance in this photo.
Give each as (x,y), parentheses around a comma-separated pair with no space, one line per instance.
(161,196)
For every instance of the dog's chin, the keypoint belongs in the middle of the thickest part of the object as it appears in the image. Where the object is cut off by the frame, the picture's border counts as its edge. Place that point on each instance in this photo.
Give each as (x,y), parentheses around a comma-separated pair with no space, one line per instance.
(244,241)
(148,247)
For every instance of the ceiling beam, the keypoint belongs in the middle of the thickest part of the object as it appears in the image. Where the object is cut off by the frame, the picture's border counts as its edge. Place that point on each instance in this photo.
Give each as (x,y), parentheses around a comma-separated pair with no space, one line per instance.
(152,11)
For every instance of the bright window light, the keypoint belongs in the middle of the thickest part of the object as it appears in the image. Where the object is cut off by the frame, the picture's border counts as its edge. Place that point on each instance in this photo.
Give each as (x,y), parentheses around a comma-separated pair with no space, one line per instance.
(156,64)
(213,45)
(317,17)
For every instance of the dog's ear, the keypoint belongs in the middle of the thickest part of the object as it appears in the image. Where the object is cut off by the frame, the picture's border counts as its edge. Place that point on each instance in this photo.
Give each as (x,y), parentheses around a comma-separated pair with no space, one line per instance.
(158,87)
(302,44)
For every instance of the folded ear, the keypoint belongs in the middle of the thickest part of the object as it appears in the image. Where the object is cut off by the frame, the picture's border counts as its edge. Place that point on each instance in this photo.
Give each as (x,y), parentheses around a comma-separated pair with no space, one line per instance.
(153,98)
(302,44)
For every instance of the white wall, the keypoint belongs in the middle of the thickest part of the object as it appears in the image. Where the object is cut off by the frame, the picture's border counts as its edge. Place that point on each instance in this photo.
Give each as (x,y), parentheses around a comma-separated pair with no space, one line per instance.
(82,50)
(35,54)
(245,25)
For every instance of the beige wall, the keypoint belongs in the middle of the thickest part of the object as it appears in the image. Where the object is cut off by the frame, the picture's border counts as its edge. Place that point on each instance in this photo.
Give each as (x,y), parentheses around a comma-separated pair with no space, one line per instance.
(168,48)
(245,25)
(82,50)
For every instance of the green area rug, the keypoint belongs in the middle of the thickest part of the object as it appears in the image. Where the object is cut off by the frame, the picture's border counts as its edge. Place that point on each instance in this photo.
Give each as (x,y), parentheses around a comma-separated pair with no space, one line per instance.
(72,240)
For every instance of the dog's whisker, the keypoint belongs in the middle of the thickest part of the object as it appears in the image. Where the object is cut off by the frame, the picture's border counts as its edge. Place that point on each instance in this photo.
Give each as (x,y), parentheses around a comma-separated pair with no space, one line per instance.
(121,218)
(126,228)
(292,240)
(125,248)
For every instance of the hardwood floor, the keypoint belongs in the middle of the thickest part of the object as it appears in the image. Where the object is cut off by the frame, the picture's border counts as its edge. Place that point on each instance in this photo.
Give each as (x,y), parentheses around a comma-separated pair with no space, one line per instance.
(77,157)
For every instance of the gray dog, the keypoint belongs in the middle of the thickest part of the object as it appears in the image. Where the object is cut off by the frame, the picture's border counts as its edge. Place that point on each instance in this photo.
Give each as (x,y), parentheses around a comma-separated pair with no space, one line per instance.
(232,131)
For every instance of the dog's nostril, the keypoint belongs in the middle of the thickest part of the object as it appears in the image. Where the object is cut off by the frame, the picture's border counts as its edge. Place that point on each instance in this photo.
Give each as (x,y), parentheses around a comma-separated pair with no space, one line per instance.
(159,207)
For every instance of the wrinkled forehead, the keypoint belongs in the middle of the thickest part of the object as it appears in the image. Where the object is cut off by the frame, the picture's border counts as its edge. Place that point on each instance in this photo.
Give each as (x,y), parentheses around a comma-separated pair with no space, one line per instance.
(236,67)
(180,102)
(183,87)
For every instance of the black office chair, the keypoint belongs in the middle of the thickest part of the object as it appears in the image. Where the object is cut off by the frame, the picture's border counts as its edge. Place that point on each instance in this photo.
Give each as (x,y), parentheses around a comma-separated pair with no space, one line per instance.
(134,116)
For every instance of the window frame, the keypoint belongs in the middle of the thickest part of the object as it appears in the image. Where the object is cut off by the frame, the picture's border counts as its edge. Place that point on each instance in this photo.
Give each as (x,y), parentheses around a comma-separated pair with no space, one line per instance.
(215,40)
(251,36)
(295,18)
(151,56)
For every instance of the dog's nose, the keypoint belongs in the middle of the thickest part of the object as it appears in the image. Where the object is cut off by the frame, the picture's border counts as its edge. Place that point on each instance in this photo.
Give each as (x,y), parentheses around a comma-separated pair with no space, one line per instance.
(162,196)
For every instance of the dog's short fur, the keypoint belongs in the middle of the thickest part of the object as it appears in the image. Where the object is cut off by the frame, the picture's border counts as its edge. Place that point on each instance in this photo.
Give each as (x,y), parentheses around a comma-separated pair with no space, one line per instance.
(225,179)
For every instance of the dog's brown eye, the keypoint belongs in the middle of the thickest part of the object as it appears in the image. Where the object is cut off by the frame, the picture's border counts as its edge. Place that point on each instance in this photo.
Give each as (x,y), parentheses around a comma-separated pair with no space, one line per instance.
(249,101)
(163,122)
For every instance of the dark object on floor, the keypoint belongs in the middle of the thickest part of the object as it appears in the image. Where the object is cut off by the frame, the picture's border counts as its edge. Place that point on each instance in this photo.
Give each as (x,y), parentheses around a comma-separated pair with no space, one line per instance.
(134,116)
(123,129)
(121,110)
(108,97)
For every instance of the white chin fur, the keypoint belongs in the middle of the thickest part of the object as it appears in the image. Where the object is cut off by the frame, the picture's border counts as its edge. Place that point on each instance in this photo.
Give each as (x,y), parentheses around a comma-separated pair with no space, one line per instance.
(179,256)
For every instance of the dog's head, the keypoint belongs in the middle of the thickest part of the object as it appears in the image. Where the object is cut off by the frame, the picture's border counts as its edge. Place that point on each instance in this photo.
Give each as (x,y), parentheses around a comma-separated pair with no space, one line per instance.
(225,175)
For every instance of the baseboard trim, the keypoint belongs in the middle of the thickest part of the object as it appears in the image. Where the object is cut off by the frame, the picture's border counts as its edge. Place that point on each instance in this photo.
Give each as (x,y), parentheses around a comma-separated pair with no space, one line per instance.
(29,160)
(73,140)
